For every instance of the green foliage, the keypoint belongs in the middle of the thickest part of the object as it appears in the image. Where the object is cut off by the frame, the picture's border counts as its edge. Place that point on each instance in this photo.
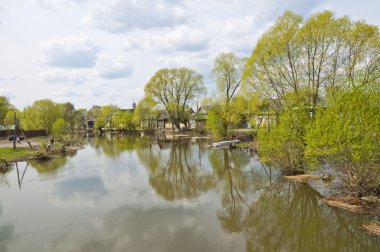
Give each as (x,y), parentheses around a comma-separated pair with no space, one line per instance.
(284,145)
(68,110)
(346,134)
(9,118)
(123,120)
(104,116)
(214,123)
(227,73)
(59,127)
(313,56)
(41,115)
(145,112)
(5,106)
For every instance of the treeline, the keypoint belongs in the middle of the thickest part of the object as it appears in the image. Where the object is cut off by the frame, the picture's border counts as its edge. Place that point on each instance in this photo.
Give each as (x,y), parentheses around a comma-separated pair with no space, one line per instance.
(55,118)
(64,118)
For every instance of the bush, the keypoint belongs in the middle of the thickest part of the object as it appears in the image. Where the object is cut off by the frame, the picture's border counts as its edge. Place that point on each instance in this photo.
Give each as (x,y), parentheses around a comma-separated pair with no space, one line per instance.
(59,127)
(284,145)
(346,134)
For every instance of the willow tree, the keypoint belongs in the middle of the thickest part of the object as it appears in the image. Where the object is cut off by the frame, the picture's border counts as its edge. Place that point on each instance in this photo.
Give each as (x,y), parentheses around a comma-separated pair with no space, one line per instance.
(227,73)
(145,113)
(312,56)
(42,114)
(273,69)
(175,90)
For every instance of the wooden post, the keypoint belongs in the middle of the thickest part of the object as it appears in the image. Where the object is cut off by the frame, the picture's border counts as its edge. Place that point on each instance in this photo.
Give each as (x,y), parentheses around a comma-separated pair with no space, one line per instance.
(14,130)
(23,134)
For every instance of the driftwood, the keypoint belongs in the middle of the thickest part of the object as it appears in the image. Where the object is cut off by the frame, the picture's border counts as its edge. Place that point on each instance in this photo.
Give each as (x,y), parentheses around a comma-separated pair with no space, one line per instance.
(352,204)
(373,227)
(301,177)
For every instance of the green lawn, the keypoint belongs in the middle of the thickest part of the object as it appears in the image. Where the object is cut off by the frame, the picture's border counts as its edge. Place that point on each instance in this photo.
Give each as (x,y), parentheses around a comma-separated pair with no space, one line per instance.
(10,154)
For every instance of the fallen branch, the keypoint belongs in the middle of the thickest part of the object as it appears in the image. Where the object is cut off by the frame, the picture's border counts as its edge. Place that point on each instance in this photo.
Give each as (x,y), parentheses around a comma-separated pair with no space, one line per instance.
(373,227)
(352,204)
(302,177)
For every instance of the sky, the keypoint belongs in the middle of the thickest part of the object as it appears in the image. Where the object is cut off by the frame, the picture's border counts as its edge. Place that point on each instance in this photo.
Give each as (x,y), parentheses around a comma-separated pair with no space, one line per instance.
(98,52)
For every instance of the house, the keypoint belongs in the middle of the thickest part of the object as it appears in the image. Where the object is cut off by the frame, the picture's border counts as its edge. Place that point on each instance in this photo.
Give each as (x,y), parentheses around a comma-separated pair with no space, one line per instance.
(163,121)
(90,122)
(198,119)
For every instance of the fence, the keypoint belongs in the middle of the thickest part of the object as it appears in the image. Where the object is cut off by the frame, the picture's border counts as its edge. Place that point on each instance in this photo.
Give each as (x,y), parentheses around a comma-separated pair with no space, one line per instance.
(28,133)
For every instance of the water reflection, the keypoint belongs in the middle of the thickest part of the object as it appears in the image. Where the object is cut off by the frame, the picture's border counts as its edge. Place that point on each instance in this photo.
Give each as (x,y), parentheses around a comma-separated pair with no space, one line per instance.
(3,176)
(79,192)
(289,217)
(49,167)
(114,145)
(6,234)
(134,193)
(175,169)
(20,178)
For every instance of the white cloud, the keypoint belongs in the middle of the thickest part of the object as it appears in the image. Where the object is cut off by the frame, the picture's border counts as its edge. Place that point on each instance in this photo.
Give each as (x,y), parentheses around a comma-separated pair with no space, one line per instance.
(7,93)
(180,38)
(70,52)
(55,76)
(7,77)
(69,92)
(113,67)
(124,15)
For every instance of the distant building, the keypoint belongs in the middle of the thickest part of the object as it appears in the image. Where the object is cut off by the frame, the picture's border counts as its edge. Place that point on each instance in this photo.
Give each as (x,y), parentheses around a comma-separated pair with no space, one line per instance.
(199,118)
(90,122)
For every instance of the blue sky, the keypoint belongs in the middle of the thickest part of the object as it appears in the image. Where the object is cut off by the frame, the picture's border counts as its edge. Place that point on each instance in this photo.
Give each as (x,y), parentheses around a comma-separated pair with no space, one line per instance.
(104,51)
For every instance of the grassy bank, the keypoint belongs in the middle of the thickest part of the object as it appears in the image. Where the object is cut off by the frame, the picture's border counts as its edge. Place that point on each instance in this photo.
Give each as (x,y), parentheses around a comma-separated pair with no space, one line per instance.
(9,154)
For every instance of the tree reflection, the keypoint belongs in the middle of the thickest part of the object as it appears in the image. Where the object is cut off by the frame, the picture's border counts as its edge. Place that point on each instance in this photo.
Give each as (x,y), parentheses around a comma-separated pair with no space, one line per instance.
(113,145)
(50,166)
(278,215)
(238,185)
(3,176)
(288,217)
(174,169)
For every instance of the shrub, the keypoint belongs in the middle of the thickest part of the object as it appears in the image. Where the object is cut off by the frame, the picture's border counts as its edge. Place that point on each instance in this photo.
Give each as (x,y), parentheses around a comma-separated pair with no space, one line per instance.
(346,134)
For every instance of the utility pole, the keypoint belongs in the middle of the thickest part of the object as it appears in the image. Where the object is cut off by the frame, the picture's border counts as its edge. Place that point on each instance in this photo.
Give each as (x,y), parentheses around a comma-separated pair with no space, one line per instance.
(14,130)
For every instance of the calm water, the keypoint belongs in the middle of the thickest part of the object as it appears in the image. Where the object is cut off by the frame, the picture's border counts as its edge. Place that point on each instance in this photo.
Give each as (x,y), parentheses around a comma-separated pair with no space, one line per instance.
(141,194)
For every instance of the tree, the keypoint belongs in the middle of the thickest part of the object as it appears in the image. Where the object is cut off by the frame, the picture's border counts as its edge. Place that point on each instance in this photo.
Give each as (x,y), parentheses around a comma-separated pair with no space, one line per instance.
(80,118)
(145,112)
(5,106)
(9,117)
(104,119)
(59,127)
(227,73)
(123,120)
(175,89)
(69,114)
(41,115)
(274,66)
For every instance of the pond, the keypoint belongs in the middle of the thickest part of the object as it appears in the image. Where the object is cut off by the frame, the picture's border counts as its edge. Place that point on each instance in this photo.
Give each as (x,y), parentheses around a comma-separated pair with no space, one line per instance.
(132,193)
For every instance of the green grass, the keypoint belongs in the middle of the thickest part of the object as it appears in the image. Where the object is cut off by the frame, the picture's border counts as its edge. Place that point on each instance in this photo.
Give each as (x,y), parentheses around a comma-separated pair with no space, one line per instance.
(10,154)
